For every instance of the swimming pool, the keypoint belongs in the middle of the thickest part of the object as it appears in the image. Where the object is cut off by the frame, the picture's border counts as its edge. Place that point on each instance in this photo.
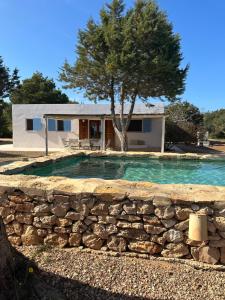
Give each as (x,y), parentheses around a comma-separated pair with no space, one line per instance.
(136,169)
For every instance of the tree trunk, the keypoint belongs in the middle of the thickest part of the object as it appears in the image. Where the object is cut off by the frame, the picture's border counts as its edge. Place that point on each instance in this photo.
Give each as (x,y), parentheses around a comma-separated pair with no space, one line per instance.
(19,277)
(123,140)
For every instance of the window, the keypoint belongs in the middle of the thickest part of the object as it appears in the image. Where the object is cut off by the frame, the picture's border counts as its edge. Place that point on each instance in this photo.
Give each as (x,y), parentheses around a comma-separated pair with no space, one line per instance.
(29,124)
(135,126)
(33,124)
(59,125)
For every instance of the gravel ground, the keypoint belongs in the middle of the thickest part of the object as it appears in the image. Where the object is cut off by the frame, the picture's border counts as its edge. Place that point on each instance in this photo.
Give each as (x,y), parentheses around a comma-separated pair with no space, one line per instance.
(88,275)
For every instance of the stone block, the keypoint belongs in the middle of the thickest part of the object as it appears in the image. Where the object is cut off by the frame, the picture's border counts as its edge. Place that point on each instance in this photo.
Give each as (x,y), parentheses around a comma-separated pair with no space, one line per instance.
(129,218)
(151,220)
(209,255)
(219,223)
(144,208)
(165,212)
(56,240)
(41,210)
(183,213)
(30,237)
(74,216)
(154,229)
(169,223)
(160,201)
(217,244)
(175,250)
(106,220)
(145,247)
(75,239)
(182,225)
(79,227)
(24,218)
(130,208)
(133,234)
(100,230)
(174,236)
(92,241)
(100,209)
(117,244)
(24,207)
(115,209)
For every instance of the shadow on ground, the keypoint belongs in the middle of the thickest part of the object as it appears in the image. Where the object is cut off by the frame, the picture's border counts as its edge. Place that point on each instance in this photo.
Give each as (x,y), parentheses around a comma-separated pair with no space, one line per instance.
(74,290)
(191,148)
(23,280)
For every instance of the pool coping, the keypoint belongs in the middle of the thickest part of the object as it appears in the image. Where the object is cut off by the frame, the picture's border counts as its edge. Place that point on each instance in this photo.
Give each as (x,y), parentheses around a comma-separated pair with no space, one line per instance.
(19,166)
(108,189)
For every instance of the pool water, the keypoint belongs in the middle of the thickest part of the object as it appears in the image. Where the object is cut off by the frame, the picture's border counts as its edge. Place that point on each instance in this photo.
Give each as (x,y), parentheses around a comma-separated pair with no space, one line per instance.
(136,169)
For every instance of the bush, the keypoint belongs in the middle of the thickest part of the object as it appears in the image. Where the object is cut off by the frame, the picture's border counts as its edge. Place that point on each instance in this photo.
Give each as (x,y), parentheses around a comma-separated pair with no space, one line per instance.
(181,133)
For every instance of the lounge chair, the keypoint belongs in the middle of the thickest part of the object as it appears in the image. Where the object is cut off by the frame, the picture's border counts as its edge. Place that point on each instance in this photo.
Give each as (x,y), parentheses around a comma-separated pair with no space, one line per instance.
(95,144)
(65,143)
(74,144)
(85,144)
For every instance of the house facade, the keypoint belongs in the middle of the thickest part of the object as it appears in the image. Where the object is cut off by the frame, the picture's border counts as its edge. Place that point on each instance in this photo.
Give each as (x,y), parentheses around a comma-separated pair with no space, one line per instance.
(34,125)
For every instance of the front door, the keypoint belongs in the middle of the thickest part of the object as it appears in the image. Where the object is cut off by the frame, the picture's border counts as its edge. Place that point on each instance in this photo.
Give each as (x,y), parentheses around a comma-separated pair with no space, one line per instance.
(95,129)
(83,129)
(109,134)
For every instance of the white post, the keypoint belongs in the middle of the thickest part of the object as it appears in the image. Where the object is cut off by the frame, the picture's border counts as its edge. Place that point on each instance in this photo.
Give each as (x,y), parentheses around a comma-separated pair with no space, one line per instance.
(163,134)
(103,133)
(46,135)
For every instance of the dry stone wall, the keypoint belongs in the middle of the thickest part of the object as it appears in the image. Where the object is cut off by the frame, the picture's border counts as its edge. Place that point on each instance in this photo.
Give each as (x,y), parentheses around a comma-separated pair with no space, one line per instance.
(156,226)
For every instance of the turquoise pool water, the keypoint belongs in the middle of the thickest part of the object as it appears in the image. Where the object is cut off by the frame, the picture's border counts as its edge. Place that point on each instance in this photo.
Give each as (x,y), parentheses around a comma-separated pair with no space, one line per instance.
(137,169)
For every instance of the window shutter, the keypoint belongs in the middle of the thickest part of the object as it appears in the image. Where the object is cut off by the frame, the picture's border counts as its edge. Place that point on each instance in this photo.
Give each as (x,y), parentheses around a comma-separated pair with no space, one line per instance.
(67,125)
(51,125)
(37,126)
(147,125)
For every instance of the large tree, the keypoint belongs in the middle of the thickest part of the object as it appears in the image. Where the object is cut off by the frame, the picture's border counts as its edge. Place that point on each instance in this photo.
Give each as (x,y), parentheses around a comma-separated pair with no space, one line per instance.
(9,81)
(38,90)
(127,56)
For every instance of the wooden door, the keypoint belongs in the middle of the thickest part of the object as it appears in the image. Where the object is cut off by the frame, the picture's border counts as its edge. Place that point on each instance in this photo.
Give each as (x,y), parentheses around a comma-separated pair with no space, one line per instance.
(83,129)
(109,134)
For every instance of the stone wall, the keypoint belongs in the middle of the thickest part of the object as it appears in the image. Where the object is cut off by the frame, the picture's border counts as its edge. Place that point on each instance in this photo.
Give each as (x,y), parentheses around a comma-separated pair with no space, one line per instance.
(110,219)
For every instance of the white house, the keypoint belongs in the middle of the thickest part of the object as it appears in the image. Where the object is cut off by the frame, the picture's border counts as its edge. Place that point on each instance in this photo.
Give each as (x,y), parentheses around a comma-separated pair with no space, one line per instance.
(51,125)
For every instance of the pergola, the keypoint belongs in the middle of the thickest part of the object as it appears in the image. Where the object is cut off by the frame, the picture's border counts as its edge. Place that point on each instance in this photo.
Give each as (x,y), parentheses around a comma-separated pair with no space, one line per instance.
(100,117)
(72,117)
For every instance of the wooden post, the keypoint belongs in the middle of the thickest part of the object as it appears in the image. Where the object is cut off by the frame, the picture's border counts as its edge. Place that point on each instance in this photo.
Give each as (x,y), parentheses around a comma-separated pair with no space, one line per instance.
(163,134)
(46,135)
(103,133)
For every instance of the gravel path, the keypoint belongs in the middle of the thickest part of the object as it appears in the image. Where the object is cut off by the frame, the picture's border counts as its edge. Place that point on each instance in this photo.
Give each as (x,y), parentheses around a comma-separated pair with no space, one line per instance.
(82,275)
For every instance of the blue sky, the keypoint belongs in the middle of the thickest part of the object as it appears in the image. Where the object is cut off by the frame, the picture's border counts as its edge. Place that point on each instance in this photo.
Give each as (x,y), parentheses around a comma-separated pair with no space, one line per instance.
(41,34)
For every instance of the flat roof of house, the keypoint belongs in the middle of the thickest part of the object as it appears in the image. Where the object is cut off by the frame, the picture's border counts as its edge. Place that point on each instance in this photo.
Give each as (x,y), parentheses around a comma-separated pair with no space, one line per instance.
(93,109)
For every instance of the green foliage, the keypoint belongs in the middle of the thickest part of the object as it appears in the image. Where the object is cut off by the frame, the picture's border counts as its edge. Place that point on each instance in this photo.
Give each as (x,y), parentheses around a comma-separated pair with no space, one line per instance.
(127,55)
(181,112)
(183,122)
(38,90)
(8,83)
(6,120)
(215,123)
